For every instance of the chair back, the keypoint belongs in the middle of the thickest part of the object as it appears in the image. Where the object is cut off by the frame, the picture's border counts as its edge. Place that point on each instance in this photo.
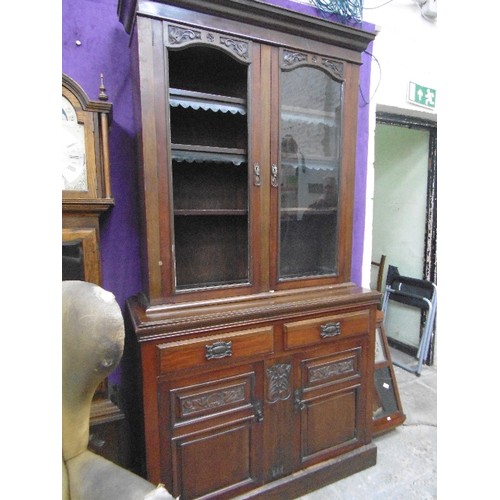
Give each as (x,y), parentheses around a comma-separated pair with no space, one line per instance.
(93,336)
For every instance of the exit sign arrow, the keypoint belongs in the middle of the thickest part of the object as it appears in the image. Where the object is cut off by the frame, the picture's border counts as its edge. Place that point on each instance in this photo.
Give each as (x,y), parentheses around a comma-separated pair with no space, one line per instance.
(421,95)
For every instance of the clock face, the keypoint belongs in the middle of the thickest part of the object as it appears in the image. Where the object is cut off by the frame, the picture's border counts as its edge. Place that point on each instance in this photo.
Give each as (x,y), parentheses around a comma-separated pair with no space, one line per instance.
(74,167)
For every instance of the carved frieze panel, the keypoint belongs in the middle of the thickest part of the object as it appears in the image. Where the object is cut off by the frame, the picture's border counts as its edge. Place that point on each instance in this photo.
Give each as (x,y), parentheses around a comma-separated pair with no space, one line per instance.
(205,399)
(331,370)
(212,400)
(180,36)
(336,68)
(292,59)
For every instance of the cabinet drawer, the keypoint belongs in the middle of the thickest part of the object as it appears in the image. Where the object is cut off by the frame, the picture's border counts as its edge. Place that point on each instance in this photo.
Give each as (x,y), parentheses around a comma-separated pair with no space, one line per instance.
(205,351)
(315,331)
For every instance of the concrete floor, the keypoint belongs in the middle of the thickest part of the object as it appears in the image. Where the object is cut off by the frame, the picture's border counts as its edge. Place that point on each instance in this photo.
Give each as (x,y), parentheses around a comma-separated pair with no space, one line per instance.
(406,456)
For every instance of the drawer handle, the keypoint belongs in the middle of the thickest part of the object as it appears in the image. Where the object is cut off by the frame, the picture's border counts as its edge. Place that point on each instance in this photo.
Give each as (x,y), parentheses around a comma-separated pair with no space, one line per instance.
(330,330)
(218,350)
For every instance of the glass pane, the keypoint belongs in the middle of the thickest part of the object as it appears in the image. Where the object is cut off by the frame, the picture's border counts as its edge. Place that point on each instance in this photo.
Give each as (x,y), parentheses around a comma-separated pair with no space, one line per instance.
(385,398)
(208,132)
(74,171)
(72,260)
(311,110)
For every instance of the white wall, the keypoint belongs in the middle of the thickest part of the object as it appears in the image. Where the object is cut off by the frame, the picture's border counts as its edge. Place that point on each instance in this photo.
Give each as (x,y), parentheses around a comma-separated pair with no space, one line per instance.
(400,215)
(405,50)
(405,47)
(400,197)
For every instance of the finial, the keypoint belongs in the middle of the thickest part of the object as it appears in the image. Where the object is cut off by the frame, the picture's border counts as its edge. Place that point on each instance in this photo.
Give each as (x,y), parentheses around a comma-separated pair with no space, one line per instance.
(102,94)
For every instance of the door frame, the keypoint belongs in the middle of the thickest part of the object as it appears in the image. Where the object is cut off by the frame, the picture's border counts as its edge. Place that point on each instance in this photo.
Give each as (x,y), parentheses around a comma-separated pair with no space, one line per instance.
(429,271)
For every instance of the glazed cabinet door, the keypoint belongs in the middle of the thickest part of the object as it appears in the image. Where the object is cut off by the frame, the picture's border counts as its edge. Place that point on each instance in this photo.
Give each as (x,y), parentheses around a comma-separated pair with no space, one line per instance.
(209,79)
(311,168)
(199,97)
(211,433)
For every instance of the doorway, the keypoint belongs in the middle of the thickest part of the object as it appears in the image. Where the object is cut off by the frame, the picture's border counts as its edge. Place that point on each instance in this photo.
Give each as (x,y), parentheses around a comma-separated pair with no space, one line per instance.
(404,214)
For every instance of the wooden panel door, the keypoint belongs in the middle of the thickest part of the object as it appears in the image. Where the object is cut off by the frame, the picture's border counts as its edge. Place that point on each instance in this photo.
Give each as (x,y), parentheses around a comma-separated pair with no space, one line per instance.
(330,398)
(211,433)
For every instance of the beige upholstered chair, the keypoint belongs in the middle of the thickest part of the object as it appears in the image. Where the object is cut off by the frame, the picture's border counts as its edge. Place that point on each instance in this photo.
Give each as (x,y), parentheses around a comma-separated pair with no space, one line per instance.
(92,346)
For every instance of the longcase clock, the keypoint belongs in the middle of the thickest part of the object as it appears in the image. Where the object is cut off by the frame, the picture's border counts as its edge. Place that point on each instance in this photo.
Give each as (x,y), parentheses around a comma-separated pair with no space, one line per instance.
(86,194)
(86,187)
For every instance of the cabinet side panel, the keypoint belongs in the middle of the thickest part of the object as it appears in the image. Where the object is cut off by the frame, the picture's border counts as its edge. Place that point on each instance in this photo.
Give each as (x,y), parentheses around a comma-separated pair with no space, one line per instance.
(348,169)
(150,401)
(152,153)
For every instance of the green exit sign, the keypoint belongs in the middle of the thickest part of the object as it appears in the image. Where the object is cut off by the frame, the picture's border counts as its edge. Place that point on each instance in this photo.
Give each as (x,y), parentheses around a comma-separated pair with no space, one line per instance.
(422,96)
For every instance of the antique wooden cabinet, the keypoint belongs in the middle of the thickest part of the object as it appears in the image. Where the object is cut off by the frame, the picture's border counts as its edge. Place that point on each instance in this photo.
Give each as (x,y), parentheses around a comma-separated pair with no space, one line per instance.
(256,349)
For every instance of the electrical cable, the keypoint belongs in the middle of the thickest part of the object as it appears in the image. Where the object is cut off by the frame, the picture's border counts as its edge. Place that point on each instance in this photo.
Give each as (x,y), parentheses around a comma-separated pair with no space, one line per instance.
(379,79)
(346,9)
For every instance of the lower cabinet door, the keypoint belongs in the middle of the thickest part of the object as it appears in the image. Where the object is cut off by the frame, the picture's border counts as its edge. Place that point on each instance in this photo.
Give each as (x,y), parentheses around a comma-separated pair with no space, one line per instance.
(330,402)
(215,433)
(218,461)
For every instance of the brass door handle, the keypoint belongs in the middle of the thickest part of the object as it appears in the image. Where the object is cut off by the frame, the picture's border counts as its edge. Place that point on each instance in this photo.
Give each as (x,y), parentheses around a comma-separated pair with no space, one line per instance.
(256,174)
(274,175)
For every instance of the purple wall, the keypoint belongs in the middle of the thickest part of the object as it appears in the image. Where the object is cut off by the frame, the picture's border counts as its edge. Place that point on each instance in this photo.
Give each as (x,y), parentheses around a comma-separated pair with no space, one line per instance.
(104,49)
(358,231)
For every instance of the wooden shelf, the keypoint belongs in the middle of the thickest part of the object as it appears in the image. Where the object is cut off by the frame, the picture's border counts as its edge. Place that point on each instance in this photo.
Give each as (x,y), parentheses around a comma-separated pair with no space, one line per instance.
(201,154)
(315,162)
(309,211)
(307,115)
(207,102)
(212,212)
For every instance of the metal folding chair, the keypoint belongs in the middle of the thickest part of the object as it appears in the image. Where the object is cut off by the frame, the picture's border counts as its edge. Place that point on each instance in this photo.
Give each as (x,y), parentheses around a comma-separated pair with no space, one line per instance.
(417,293)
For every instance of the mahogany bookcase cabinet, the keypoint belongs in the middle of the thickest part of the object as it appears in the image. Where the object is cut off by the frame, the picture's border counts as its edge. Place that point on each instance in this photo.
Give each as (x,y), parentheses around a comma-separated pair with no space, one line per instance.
(256,350)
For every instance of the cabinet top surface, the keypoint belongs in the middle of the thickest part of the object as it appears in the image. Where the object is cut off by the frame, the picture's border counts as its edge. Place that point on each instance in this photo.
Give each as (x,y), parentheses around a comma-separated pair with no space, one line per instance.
(159,321)
(256,12)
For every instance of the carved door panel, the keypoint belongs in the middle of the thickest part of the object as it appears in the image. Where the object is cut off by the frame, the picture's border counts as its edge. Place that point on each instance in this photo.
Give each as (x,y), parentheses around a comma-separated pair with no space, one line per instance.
(215,433)
(329,399)
(280,458)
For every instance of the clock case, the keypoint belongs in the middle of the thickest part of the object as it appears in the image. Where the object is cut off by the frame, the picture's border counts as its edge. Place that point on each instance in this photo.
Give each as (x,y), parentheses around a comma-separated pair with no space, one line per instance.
(81,209)
(96,117)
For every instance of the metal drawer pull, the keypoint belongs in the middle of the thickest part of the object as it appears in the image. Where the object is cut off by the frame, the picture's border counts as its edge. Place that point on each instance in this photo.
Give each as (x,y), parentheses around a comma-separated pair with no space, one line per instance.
(330,330)
(218,350)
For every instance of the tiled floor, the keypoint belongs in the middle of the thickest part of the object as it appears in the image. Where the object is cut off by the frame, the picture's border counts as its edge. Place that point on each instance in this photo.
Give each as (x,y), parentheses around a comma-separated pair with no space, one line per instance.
(406,466)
